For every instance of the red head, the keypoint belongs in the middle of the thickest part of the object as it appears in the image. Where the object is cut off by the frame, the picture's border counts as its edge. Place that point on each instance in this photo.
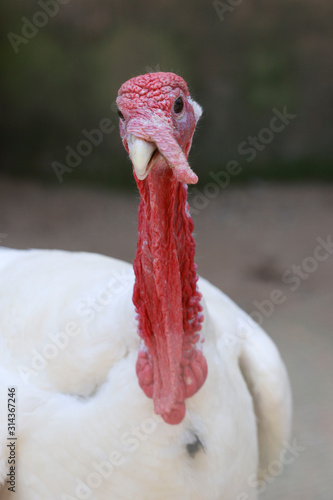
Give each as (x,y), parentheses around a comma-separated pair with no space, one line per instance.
(157,122)
(158,109)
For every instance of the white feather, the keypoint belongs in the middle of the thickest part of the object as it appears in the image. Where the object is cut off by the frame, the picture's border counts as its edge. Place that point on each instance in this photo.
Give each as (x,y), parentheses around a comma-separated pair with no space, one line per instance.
(196,108)
(82,418)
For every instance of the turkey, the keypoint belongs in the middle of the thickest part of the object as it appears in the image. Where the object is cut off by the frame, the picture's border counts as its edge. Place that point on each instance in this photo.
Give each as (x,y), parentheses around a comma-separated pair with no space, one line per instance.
(136,382)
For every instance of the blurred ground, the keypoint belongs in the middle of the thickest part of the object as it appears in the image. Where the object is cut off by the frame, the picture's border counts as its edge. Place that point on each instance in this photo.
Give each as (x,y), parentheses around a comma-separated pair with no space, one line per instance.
(247,237)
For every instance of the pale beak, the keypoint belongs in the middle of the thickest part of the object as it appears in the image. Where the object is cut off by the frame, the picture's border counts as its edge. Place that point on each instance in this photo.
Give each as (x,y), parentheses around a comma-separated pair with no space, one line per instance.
(161,139)
(140,152)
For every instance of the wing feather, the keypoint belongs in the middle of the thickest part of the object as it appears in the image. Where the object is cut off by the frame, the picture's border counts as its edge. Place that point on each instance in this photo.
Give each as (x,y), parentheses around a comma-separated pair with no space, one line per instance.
(267,379)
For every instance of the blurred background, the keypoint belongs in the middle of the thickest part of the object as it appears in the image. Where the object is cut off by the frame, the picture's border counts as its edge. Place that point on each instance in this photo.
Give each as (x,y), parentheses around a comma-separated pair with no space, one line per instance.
(62,77)
(263,72)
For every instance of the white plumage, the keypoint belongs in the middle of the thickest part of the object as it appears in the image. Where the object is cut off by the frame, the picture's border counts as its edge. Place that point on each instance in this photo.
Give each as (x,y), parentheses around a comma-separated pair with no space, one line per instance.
(82,416)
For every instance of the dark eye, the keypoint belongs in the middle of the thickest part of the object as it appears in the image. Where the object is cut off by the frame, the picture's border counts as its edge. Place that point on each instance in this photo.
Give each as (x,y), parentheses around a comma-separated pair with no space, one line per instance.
(121,116)
(178,105)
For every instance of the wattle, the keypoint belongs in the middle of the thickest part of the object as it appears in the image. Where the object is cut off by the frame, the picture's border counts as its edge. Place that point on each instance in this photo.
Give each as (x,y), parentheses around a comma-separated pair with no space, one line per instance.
(170,366)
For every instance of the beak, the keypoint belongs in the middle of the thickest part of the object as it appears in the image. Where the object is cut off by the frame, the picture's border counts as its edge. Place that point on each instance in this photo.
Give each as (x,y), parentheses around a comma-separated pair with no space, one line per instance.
(141,152)
(144,137)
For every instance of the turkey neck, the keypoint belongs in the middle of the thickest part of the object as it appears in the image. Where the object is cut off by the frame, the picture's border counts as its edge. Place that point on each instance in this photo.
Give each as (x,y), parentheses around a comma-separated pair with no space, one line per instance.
(165,293)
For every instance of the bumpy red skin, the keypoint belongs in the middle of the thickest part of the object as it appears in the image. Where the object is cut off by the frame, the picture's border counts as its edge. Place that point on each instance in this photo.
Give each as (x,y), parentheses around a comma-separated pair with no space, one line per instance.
(170,366)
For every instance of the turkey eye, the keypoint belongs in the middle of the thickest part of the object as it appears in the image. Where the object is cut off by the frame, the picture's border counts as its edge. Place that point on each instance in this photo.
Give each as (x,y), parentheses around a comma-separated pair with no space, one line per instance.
(121,116)
(178,105)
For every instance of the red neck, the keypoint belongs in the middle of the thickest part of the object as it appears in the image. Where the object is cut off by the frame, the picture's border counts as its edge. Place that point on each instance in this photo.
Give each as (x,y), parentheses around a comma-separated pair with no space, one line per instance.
(165,295)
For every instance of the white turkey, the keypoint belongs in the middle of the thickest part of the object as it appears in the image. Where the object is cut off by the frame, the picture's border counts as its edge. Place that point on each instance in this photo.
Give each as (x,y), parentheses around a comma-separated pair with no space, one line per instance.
(136,382)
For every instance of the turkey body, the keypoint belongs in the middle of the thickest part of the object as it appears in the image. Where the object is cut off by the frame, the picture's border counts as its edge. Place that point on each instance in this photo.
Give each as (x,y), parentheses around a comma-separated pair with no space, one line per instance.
(86,430)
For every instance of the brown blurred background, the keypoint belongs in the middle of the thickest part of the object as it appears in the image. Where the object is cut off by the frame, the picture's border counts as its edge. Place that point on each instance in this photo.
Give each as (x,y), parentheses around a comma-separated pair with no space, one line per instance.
(245,64)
